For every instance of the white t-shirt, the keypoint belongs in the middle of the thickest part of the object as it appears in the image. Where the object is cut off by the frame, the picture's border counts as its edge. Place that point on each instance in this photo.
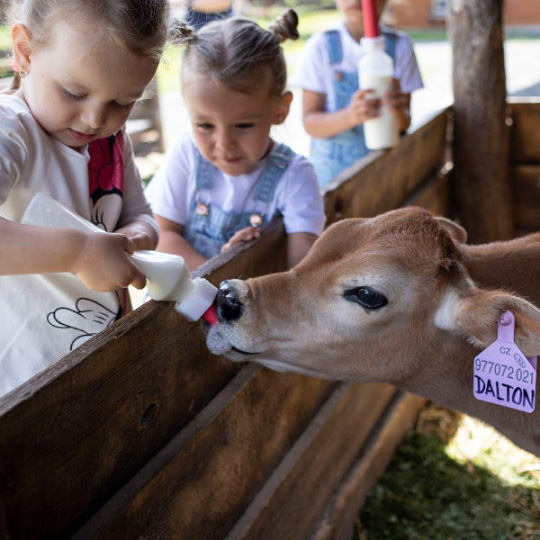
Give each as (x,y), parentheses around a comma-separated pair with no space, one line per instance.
(43,317)
(315,73)
(297,196)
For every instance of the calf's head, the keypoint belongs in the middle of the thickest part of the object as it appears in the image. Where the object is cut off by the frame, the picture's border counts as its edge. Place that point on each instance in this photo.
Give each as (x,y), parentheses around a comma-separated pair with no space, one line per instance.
(372,301)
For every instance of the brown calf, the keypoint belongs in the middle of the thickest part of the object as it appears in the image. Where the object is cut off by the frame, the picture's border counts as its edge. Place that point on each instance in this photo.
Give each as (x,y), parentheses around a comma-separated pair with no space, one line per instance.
(392,299)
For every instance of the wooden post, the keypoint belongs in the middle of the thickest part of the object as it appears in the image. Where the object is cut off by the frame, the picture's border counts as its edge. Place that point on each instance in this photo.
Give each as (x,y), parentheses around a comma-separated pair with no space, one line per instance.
(481,143)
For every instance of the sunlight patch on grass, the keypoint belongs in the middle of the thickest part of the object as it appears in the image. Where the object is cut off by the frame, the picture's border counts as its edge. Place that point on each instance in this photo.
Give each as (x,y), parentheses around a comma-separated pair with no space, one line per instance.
(455,478)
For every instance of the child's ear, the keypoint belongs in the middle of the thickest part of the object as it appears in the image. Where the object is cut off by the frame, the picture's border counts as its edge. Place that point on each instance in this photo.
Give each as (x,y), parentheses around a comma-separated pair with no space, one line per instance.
(22,46)
(282,109)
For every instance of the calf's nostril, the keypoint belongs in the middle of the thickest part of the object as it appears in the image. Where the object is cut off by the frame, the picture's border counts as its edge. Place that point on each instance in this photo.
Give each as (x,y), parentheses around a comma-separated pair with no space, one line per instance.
(229,307)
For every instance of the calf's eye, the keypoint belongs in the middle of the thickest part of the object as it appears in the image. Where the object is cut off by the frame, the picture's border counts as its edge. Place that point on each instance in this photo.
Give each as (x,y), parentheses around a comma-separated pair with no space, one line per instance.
(366,297)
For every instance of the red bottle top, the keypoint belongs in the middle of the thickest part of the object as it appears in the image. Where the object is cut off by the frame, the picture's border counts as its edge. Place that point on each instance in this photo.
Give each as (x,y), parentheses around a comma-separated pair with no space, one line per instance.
(210,315)
(369,11)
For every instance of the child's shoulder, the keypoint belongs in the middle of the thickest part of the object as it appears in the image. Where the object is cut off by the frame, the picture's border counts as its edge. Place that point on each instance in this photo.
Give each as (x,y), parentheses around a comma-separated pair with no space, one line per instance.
(17,125)
(398,35)
(13,109)
(296,162)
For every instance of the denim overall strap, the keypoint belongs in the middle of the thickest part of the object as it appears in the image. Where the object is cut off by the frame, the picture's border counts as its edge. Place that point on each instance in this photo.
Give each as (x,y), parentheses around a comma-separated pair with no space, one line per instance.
(334,46)
(208,233)
(204,171)
(276,164)
(330,156)
(390,44)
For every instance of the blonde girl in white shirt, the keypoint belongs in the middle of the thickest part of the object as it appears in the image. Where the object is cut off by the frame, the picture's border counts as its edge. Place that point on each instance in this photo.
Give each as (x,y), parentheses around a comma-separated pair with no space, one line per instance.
(81,66)
(220,185)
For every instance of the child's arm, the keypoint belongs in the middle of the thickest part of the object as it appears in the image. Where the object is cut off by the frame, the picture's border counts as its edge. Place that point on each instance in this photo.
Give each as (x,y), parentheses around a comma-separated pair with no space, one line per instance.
(243,235)
(100,260)
(136,220)
(298,245)
(322,124)
(171,240)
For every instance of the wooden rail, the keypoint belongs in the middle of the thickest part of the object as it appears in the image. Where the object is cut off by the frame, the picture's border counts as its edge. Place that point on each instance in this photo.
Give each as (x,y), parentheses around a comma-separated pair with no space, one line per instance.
(141,433)
(525,163)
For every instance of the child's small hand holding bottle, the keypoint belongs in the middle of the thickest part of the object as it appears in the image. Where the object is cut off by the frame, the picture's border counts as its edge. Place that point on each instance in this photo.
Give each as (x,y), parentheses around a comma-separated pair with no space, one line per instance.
(103,262)
(365,107)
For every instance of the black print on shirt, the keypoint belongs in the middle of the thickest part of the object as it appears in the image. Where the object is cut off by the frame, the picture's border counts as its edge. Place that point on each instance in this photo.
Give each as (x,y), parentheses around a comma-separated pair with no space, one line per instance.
(86,320)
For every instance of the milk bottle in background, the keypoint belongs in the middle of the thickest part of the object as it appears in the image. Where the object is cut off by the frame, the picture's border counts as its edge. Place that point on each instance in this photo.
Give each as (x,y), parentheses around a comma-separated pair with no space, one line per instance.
(168,276)
(376,70)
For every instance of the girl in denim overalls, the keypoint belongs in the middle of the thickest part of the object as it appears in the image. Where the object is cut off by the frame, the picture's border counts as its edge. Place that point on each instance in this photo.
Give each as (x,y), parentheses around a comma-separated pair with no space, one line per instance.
(221,183)
(334,107)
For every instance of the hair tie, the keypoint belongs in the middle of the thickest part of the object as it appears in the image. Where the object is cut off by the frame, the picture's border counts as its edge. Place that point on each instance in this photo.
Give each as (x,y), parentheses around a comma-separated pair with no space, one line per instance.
(183,34)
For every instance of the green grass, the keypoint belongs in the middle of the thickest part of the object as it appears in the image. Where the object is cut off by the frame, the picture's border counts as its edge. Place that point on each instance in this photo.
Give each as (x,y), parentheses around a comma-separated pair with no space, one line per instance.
(5,40)
(475,485)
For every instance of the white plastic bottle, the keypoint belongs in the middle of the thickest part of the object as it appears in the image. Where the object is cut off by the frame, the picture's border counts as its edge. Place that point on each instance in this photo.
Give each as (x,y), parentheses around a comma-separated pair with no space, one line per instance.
(376,70)
(168,276)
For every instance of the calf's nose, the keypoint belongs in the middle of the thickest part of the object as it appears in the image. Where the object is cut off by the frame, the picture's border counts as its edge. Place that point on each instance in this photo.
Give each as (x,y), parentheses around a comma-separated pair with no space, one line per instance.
(229,307)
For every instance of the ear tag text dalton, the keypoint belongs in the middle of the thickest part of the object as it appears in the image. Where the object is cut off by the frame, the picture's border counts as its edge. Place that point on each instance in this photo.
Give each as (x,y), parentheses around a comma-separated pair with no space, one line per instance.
(502,373)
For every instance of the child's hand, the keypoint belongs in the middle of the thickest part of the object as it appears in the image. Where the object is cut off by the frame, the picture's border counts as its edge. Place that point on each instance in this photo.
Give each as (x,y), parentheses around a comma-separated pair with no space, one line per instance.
(103,263)
(141,234)
(363,107)
(395,98)
(243,235)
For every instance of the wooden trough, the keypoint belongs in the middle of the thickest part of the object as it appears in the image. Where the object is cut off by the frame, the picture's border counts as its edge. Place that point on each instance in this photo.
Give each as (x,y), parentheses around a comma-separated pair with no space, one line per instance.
(141,433)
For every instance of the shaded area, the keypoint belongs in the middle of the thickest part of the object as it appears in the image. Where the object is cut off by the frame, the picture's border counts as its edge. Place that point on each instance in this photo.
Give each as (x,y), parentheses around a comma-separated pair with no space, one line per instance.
(427,494)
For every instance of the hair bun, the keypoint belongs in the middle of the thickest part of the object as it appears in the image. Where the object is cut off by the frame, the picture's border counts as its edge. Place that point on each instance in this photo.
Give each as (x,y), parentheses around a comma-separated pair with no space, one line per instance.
(285,26)
(182,34)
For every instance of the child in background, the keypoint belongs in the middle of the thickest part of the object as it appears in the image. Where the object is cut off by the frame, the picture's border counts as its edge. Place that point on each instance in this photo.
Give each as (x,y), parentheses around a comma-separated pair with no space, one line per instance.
(334,108)
(220,184)
(201,12)
(61,134)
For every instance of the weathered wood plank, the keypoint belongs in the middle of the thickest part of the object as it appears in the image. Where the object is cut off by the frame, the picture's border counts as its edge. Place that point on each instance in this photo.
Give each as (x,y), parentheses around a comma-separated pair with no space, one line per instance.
(201,482)
(526,188)
(338,519)
(98,415)
(290,503)
(481,136)
(525,132)
(384,180)
(434,195)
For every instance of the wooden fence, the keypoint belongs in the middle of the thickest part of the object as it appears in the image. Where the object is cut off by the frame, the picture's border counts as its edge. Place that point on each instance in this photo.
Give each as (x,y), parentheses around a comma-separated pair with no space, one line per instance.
(525,163)
(141,433)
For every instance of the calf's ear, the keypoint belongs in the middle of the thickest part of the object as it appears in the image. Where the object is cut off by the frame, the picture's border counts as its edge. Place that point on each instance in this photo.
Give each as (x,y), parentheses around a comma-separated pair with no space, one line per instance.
(479,312)
(457,233)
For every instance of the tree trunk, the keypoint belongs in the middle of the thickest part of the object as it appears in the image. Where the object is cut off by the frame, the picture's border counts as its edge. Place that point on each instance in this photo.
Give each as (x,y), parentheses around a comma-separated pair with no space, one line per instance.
(481,137)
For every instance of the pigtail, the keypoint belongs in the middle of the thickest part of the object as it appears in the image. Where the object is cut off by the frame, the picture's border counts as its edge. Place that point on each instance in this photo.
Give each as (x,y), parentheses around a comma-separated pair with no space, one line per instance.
(182,34)
(285,26)
(16,82)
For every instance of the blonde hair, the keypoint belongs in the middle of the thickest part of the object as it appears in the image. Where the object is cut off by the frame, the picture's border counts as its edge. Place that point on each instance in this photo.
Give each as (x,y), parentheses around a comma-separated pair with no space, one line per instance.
(141,26)
(238,53)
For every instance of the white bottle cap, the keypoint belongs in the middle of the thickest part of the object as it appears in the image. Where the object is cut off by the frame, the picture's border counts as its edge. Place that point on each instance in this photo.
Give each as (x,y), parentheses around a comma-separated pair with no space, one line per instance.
(373,43)
(198,301)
